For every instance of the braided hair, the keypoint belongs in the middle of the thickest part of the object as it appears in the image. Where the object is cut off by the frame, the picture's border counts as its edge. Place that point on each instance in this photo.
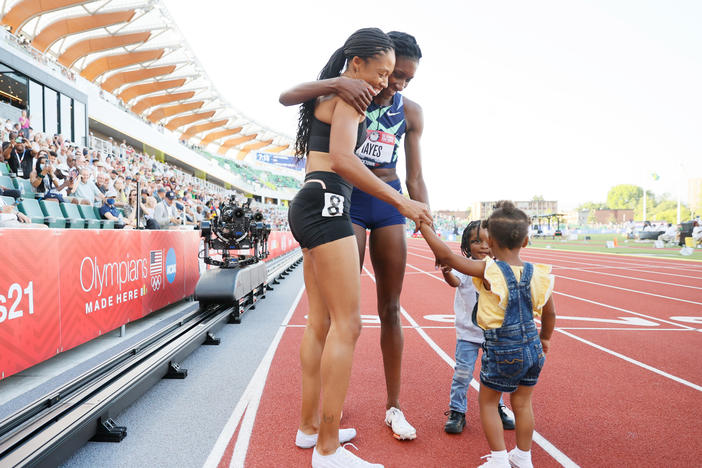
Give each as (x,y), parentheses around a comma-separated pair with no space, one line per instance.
(508,225)
(405,45)
(364,43)
(465,238)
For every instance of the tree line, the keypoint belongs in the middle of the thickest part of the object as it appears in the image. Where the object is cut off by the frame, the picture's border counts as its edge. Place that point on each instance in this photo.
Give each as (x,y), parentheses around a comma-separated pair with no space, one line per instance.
(631,197)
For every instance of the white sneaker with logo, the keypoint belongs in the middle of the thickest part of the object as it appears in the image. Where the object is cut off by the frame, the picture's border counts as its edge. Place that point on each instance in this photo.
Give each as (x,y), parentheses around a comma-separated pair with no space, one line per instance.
(517,460)
(342,458)
(303,440)
(402,430)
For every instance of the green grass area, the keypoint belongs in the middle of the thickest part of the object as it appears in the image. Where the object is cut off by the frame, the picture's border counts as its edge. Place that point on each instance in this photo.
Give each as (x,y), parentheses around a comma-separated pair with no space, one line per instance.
(597,243)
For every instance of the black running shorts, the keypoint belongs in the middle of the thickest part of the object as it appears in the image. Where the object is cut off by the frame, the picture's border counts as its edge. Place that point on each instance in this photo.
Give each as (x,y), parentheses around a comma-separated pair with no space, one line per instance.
(319,213)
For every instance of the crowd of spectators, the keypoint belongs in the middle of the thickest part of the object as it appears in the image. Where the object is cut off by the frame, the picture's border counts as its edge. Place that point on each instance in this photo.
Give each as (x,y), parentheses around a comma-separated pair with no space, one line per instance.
(63,171)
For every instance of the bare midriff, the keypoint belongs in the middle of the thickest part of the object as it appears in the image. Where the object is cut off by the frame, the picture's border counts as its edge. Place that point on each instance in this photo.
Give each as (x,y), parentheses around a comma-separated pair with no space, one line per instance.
(320,161)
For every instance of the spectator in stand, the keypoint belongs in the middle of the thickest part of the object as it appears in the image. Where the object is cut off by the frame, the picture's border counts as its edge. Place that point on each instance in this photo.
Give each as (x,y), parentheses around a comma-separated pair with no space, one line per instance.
(165,213)
(24,124)
(149,207)
(19,157)
(102,182)
(43,179)
(113,176)
(145,216)
(109,211)
(10,192)
(118,186)
(10,217)
(85,189)
(160,194)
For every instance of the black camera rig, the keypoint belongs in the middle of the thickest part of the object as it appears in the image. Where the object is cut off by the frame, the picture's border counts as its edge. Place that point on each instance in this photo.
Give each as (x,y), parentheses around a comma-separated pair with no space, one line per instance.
(236,227)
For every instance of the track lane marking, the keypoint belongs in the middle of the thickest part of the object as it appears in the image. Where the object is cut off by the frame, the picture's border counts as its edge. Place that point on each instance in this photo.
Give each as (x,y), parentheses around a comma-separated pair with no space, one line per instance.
(577,257)
(548,447)
(551,259)
(585,300)
(633,361)
(249,399)
(619,355)
(599,284)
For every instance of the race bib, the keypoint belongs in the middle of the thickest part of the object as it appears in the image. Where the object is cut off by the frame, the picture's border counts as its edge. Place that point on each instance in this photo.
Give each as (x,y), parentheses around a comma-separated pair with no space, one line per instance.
(333,205)
(377,149)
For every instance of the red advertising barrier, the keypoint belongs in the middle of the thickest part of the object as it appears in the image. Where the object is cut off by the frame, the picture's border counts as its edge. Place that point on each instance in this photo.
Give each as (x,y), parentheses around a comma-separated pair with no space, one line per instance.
(280,242)
(61,288)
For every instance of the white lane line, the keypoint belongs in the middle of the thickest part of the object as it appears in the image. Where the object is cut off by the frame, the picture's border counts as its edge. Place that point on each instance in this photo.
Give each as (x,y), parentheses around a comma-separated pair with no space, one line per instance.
(576,257)
(649,280)
(614,353)
(551,449)
(626,261)
(597,284)
(585,300)
(592,265)
(629,290)
(633,361)
(408,327)
(628,329)
(622,310)
(250,397)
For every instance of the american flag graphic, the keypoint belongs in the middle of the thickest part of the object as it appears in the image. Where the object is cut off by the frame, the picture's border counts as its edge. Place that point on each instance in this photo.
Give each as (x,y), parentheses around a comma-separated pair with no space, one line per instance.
(156,262)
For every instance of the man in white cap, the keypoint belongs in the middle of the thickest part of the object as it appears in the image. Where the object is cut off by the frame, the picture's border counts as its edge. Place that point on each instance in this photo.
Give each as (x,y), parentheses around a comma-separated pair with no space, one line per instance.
(109,211)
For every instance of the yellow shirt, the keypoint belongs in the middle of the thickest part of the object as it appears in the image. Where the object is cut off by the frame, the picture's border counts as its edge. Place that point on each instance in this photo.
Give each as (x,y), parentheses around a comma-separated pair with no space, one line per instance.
(493,303)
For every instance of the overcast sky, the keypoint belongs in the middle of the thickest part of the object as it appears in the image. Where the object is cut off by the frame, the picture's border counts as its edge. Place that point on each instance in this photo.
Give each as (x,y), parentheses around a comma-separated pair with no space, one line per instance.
(563,99)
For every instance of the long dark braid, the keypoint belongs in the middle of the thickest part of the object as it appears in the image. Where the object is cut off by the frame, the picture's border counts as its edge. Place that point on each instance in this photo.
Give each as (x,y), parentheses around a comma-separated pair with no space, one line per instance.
(364,43)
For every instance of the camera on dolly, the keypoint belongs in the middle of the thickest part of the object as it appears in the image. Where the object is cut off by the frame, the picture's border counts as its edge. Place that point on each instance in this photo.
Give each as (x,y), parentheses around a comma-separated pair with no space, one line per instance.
(240,279)
(237,227)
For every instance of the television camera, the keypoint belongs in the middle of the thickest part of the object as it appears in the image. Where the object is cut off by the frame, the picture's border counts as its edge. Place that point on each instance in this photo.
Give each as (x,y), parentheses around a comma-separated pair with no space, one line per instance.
(237,227)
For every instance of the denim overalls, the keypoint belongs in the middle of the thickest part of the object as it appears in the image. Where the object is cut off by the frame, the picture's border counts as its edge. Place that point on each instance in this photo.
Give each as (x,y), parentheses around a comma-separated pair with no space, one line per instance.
(512,354)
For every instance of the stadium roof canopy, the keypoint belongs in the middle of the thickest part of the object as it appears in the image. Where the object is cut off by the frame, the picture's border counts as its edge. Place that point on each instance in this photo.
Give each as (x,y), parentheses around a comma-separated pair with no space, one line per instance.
(134,50)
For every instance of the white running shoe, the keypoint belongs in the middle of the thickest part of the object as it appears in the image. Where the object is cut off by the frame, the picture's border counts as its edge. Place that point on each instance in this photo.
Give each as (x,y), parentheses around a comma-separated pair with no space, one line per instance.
(303,440)
(402,430)
(493,462)
(342,458)
(516,461)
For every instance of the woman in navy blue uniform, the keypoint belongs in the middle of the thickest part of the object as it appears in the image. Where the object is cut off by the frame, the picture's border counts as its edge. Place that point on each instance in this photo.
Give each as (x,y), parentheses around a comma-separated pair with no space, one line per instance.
(329,133)
(390,116)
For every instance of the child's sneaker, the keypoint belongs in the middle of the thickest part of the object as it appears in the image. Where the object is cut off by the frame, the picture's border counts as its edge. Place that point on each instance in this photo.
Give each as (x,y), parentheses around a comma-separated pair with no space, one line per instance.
(455,423)
(303,440)
(402,430)
(495,462)
(519,459)
(342,458)
(506,417)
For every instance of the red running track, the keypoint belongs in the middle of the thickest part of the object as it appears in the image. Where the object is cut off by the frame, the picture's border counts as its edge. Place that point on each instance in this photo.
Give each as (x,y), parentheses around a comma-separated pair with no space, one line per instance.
(622,383)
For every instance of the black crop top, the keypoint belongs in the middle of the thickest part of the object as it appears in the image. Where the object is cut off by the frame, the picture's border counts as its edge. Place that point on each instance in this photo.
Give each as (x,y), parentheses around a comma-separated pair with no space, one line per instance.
(319,135)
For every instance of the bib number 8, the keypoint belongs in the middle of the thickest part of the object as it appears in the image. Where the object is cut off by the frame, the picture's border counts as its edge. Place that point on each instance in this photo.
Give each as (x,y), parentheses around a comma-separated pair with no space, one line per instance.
(333,205)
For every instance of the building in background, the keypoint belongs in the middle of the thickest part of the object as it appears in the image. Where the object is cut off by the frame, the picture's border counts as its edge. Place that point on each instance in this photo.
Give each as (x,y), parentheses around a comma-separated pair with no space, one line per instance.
(613,216)
(482,209)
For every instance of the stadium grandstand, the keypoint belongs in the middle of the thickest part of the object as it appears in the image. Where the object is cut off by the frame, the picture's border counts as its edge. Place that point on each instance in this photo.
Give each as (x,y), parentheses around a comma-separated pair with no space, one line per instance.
(113,86)
(116,148)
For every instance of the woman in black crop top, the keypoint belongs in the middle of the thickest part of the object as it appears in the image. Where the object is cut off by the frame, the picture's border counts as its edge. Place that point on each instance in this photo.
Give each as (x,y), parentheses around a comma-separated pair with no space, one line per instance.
(319,219)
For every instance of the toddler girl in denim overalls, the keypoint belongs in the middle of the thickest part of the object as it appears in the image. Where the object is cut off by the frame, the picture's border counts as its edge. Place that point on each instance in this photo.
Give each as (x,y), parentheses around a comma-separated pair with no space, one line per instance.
(511,293)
